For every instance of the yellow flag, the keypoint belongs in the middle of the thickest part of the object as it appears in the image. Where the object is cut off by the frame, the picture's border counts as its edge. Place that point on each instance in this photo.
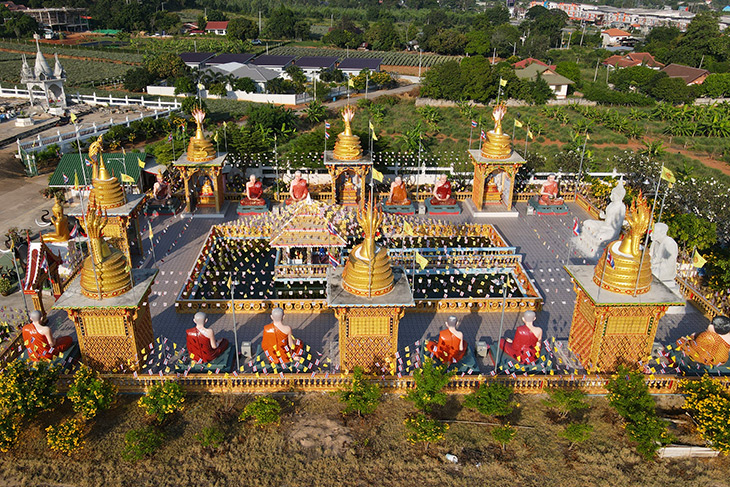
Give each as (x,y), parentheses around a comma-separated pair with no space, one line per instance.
(422,261)
(73,117)
(372,130)
(126,178)
(140,163)
(697,260)
(518,123)
(529,134)
(76,180)
(215,137)
(377,175)
(351,83)
(503,82)
(668,175)
(149,229)
(408,229)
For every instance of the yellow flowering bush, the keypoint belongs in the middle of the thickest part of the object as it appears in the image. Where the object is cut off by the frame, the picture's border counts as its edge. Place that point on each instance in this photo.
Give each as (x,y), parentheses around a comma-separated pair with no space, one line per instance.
(263,411)
(67,437)
(709,405)
(162,400)
(26,389)
(90,394)
(8,432)
(424,429)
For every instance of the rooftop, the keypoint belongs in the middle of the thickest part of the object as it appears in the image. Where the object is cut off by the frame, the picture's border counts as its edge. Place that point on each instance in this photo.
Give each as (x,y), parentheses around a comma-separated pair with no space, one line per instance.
(360,63)
(687,73)
(552,78)
(196,57)
(217,25)
(242,58)
(616,33)
(316,61)
(273,61)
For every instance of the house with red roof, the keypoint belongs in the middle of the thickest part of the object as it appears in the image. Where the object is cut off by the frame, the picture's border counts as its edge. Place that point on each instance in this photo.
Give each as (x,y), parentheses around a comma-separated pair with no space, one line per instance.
(633,59)
(531,60)
(690,75)
(218,27)
(613,37)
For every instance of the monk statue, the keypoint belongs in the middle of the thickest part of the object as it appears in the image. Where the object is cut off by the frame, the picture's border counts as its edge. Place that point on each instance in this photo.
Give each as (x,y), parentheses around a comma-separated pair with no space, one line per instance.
(207,188)
(450,348)
(254,190)
(278,344)
(60,221)
(595,234)
(526,345)
(663,253)
(161,190)
(201,341)
(549,192)
(712,346)
(398,195)
(39,341)
(442,192)
(298,189)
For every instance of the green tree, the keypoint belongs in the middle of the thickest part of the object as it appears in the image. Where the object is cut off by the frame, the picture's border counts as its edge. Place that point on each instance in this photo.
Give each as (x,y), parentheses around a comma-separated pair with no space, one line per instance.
(316,112)
(137,79)
(263,411)
(16,24)
(504,434)
(424,429)
(241,29)
(297,76)
(430,380)
(360,396)
(245,84)
(570,70)
(478,42)
(283,23)
(443,81)
(690,231)
(449,41)
(342,38)
(564,402)
(184,85)
(168,22)
(541,91)
(383,36)
(497,15)
(26,389)
(576,433)
(166,65)
(190,102)
(271,117)
(491,399)
(670,90)
(89,393)
(478,81)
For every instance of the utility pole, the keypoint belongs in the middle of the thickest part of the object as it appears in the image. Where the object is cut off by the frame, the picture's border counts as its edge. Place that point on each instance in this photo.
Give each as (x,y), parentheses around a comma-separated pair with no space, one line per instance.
(259,23)
(582,35)
(595,75)
(420,53)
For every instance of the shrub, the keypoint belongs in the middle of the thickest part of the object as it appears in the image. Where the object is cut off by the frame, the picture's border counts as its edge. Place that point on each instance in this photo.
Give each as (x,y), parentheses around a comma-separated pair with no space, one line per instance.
(361,396)
(263,411)
(424,429)
(27,389)
(67,437)
(142,442)
(709,405)
(430,379)
(576,433)
(90,394)
(8,432)
(504,434)
(163,400)
(6,287)
(565,402)
(491,399)
(210,437)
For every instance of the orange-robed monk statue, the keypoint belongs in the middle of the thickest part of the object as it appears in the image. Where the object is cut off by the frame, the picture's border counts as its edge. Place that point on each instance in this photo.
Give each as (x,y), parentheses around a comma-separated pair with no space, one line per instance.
(712,346)
(278,344)
(450,348)
(254,190)
(201,341)
(442,192)
(39,339)
(398,195)
(526,345)
(298,189)
(549,192)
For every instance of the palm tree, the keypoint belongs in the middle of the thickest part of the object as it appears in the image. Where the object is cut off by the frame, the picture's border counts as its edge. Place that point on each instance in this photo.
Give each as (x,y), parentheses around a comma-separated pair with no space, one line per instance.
(653,149)
(686,172)
(410,138)
(431,116)
(316,112)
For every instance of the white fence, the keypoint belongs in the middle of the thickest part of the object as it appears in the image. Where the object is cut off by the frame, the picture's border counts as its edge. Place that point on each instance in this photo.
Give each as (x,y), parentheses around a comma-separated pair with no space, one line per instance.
(95,99)
(277,99)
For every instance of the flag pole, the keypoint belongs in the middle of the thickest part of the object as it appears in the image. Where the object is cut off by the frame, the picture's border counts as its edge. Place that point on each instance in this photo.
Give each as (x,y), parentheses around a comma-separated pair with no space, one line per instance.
(235,325)
(651,220)
(661,208)
(580,168)
(152,244)
(471,132)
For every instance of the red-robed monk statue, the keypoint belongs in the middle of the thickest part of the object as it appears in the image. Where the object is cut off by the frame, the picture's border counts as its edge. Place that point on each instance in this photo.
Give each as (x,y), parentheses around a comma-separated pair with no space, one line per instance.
(201,341)
(526,345)
(39,341)
(254,190)
(278,344)
(398,194)
(442,192)
(298,189)
(549,192)
(450,348)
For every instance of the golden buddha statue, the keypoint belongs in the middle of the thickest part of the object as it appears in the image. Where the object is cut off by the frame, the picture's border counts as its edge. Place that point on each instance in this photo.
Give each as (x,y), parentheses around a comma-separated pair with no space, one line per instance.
(60,221)
(367,271)
(618,273)
(107,191)
(347,147)
(106,272)
(493,195)
(200,149)
(498,145)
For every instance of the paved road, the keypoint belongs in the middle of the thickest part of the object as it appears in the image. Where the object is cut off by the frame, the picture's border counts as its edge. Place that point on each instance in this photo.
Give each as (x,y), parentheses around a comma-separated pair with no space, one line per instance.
(342,101)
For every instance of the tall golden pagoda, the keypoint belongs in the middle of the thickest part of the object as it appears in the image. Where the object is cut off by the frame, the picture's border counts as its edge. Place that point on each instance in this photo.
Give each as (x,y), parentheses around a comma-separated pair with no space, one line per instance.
(367,271)
(628,272)
(105,272)
(200,149)
(107,192)
(498,144)
(347,147)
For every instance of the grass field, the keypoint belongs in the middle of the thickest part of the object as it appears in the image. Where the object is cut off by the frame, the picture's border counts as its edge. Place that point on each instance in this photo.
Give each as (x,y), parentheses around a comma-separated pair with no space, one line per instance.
(78,72)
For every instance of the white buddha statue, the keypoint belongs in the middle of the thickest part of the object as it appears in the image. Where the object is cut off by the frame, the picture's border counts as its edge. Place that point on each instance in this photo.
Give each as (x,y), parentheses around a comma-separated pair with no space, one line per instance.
(663,253)
(595,234)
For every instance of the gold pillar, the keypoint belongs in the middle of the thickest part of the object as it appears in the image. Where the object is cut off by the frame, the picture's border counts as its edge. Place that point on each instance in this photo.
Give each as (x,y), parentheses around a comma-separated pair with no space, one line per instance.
(187,174)
(368,335)
(477,193)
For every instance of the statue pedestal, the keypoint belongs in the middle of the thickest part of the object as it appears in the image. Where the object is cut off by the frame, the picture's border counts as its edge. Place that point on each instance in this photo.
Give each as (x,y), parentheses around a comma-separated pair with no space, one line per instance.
(368,326)
(490,211)
(399,209)
(249,210)
(611,328)
(432,209)
(561,209)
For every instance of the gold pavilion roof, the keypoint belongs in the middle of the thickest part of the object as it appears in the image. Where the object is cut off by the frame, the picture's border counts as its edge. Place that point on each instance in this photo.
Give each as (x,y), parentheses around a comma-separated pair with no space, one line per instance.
(307,226)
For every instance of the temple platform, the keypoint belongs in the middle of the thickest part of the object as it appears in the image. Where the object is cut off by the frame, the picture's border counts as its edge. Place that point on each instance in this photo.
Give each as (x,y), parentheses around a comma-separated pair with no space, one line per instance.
(251,210)
(223,363)
(442,209)
(489,211)
(208,212)
(403,210)
(548,209)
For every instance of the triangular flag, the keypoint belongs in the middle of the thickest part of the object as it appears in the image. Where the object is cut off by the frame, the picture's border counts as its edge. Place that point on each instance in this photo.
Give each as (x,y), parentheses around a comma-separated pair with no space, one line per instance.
(668,175)
(422,261)
(697,260)
(377,175)
(140,163)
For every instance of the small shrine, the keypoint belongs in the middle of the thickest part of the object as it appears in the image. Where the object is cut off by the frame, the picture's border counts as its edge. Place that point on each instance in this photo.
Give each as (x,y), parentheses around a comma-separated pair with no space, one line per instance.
(619,303)
(348,165)
(202,170)
(122,210)
(495,168)
(49,81)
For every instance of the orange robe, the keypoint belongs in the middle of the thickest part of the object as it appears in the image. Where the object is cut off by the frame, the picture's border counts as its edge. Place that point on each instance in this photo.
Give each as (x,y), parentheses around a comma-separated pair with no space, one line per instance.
(707,348)
(552,197)
(300,190)
(276,343)
(523,347)
(199,346)
(447,350)
(38,347)
(443,192)
(400,196)
(255,191)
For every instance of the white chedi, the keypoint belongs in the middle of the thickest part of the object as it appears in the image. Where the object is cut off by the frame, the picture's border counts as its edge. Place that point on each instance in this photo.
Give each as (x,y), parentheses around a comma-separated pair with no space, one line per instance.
(596,234)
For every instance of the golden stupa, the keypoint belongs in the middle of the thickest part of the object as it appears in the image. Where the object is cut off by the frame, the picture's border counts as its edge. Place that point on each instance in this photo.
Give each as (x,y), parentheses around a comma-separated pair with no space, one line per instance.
(107,191)
(105,272)
(347,147)
(200,149)
(627,255)
(60,221)
(498,144)
(367,271)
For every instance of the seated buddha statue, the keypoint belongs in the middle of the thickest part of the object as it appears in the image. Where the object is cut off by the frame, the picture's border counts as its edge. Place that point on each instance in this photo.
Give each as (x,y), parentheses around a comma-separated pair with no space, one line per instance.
(60,221)
(201,341)
(493,193)
(712,346)
(161,190)
(398,195)
(526,345)
(278,344)
(207,189)
(450,347)
(39,341)
(442,192)
(298,189)
(595,234)
(254,190)
(549,192)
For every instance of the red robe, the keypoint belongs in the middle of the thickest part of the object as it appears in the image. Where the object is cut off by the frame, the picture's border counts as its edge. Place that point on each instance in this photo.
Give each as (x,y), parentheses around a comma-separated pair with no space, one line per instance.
(447,350)
(300,190)
(199,346)
(38,347)
(552,197)
(523,347)
(276,343)
(444,195)
(400,196)
(256,191)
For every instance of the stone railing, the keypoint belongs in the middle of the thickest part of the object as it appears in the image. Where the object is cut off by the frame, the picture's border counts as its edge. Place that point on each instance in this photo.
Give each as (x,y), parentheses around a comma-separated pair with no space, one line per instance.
(691,293)
(584,203)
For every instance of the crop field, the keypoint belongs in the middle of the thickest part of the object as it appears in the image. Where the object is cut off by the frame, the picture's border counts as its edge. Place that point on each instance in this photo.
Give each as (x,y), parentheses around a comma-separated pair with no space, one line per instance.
(398,58)
(78,72)
(103,54)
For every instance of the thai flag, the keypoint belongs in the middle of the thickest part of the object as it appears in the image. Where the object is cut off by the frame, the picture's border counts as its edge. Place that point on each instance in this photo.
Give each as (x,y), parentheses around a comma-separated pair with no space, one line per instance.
(75,231)
(169,138)
(576,228)
(326,124)
(331,228)
(484,135)
(326,135)
(87,162)
(609,259)
(474,123)
(333,261)
(65,179)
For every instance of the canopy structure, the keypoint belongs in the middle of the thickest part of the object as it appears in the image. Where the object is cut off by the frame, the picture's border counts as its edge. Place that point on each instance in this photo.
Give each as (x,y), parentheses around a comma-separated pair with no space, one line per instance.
(116,162)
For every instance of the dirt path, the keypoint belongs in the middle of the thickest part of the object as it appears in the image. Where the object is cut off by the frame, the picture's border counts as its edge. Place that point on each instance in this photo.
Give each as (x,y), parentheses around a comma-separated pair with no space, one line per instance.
(82,58)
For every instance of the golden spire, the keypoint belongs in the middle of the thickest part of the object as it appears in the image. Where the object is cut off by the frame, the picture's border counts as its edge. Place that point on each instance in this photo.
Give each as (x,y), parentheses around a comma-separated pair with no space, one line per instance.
(498,144)
(367,271)
(107,192)
(347,147)
(105,272)
(200,149)
(626,254)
